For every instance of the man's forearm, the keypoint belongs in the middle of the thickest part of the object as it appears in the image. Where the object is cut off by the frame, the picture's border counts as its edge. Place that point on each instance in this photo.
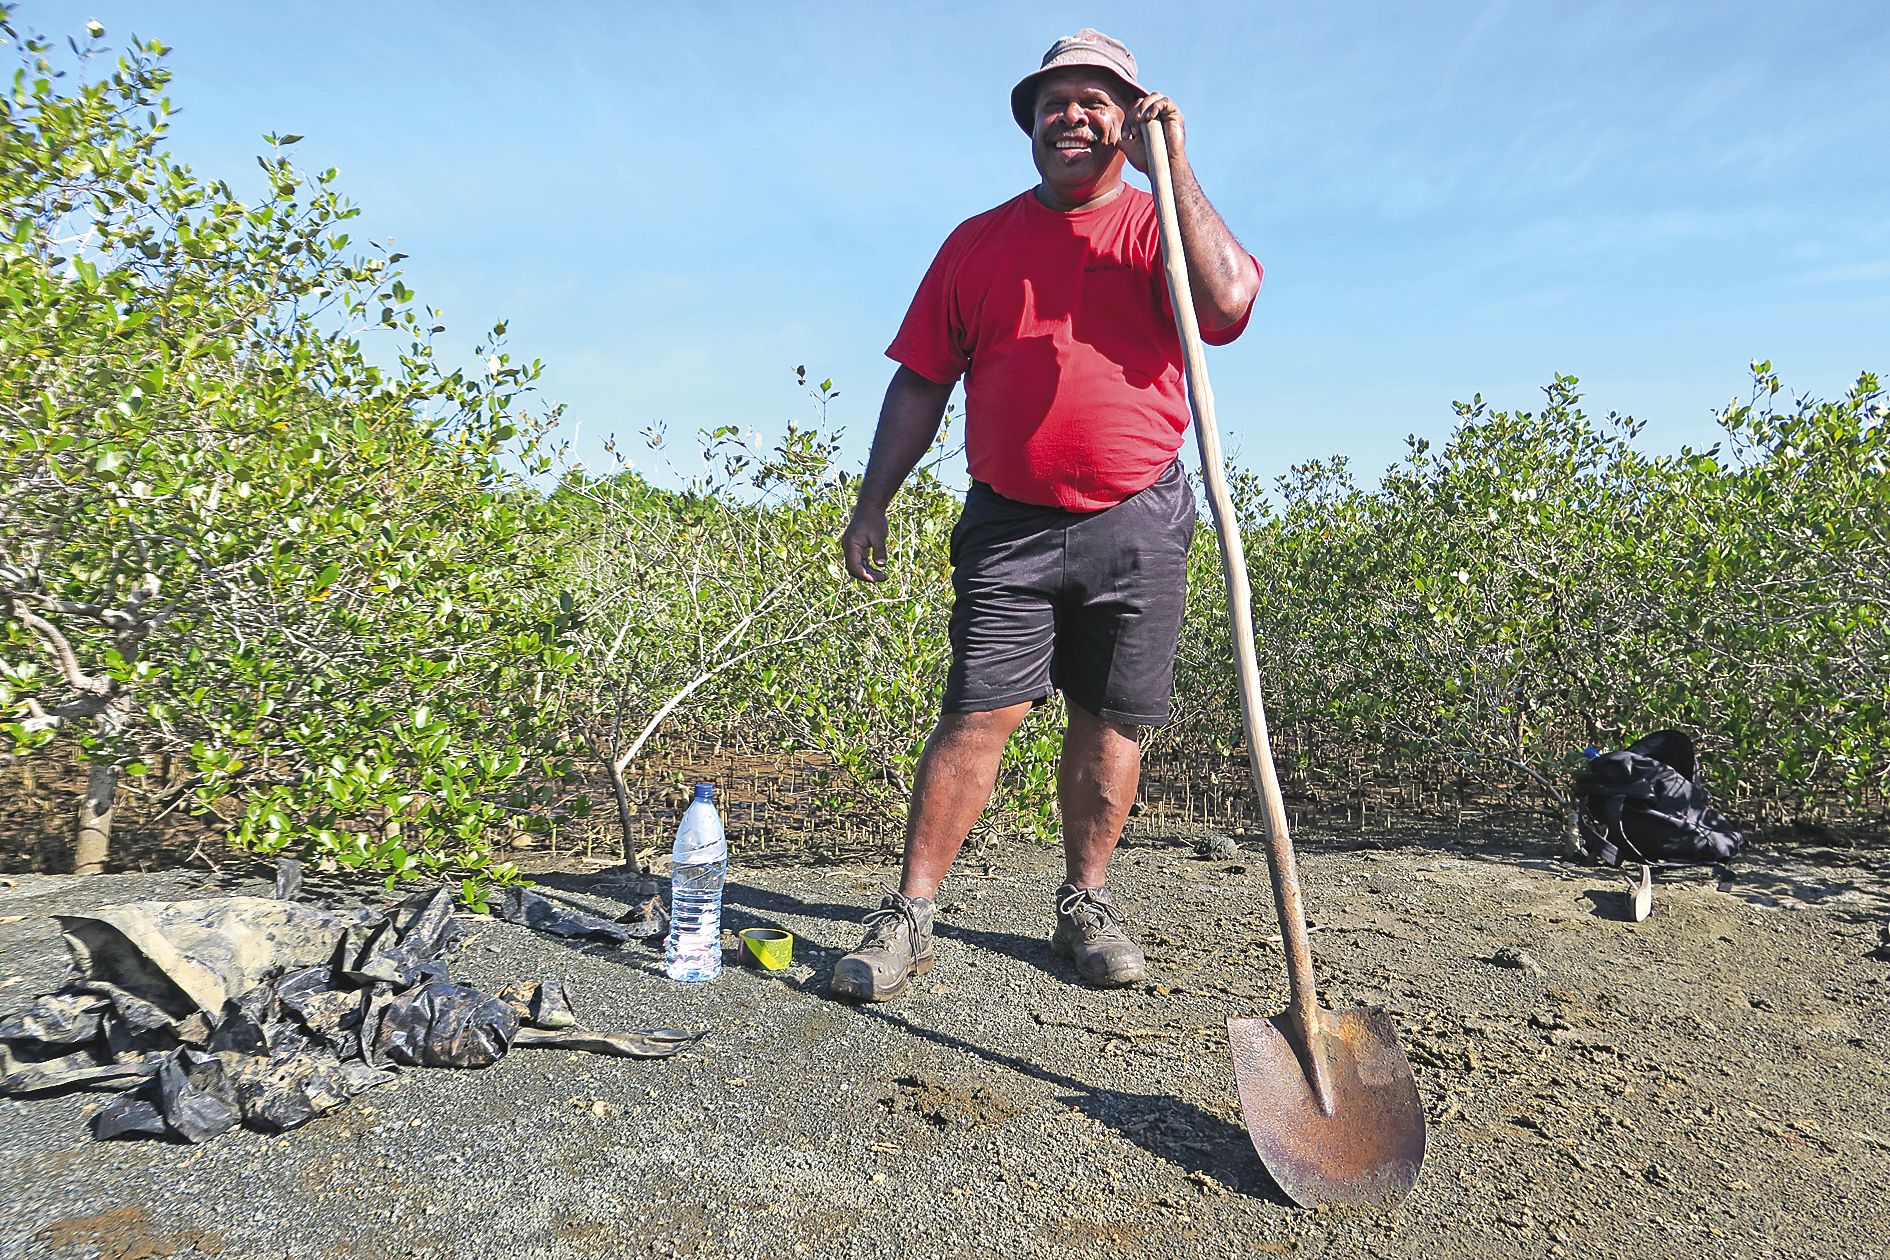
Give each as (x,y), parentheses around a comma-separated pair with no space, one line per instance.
(908,423)
(1220,272)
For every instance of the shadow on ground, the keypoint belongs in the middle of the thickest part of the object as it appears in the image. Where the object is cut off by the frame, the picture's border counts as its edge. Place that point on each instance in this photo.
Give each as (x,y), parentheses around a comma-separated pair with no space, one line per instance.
(1193,1139)
(1180,1132)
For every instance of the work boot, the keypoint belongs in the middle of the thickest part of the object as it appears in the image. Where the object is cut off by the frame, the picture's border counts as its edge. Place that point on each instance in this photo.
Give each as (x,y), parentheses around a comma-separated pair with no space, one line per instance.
(897,947)
(1090,935)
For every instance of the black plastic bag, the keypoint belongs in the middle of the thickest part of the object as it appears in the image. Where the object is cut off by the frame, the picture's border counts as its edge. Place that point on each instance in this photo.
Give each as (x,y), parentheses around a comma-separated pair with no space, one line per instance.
(189,1097)
(245,1023)
(420,931)
(129,1115)
(543,1004)
(1647,804)
(328,1012)
(445,1025)
(551,1005)
(195,1097)
(277,1094)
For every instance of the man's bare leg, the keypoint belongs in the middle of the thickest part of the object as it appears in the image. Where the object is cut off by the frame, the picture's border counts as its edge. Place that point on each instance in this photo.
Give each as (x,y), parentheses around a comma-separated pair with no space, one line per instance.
(951,788)
(1096,781)
(956,773)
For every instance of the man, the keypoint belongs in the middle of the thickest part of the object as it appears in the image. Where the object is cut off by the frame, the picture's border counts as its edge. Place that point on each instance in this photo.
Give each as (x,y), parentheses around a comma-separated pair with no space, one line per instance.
(1070,559)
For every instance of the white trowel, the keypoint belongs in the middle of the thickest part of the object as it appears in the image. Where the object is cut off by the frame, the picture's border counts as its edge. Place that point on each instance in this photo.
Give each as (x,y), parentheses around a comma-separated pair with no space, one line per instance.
(1641,894)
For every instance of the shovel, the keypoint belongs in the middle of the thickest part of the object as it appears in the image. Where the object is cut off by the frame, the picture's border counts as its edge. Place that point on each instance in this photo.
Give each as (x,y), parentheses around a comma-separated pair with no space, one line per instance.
(1328,1096)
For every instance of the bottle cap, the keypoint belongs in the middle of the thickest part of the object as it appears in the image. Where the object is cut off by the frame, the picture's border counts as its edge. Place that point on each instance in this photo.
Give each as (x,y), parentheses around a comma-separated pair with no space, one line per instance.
(705,792)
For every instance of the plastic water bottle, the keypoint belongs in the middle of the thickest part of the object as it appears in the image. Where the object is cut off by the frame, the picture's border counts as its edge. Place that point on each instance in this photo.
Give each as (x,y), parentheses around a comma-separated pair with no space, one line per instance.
(697,866)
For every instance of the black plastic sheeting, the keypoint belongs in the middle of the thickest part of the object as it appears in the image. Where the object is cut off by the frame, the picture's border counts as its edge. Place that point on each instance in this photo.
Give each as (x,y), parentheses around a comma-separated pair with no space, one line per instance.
(647,917)
(651,1043)
(208,1014)
(528,909)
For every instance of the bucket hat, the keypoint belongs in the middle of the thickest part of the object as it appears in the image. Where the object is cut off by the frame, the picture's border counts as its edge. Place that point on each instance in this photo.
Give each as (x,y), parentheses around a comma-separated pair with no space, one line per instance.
(1088,47)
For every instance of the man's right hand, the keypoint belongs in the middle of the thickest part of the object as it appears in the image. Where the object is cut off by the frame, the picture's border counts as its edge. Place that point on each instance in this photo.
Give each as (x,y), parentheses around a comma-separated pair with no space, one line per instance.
(908,421)
(863,542)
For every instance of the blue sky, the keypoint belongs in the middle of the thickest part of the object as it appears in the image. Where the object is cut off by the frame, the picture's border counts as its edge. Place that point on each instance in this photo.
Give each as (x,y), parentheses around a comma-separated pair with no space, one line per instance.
(675,204)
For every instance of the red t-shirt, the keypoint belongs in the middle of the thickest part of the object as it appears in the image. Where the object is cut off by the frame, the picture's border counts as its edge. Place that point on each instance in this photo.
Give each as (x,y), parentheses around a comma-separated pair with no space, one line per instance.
(1060,323)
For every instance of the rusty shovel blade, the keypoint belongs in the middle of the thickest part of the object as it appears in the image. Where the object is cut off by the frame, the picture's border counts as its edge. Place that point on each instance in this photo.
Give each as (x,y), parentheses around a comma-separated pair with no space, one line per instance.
(1365,1147)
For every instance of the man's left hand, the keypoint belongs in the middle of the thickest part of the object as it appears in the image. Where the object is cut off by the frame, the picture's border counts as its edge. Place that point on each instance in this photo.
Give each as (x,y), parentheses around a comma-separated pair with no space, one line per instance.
(1151,111)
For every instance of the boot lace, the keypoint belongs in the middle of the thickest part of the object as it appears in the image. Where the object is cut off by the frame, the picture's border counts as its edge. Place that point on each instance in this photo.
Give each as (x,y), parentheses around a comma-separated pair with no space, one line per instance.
(1091,913)
(882,925)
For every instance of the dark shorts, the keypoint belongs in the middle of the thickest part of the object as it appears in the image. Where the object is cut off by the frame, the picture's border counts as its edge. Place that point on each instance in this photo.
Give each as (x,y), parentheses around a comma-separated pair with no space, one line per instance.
(1088,603)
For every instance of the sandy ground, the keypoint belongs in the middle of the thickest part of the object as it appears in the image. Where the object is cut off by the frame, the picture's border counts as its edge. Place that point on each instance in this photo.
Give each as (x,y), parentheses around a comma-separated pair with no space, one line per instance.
(1714,1081)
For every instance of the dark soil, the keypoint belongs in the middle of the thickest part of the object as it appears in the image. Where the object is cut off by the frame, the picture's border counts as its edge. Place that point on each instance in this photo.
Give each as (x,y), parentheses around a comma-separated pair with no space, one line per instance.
(1713,1082)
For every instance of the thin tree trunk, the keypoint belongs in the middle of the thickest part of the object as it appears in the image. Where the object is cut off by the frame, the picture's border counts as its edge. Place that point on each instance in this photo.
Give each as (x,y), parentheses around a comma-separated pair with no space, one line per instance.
(95,819)
(623,812)
(606,755)
(94,839)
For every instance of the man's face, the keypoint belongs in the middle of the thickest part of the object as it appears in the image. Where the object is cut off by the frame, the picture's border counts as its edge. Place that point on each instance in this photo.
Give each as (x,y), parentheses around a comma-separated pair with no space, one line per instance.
(1076,127)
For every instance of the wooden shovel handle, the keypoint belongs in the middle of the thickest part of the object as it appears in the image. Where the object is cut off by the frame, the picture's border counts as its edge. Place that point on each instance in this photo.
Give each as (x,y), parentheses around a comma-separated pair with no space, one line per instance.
(1304,1006)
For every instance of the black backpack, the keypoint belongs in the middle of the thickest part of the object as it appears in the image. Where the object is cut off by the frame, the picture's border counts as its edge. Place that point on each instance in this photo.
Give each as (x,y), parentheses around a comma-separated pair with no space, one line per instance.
(1646,804)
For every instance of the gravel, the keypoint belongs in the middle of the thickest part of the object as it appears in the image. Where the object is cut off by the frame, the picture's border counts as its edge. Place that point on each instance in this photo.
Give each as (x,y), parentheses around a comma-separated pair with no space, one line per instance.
(1714,1081)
